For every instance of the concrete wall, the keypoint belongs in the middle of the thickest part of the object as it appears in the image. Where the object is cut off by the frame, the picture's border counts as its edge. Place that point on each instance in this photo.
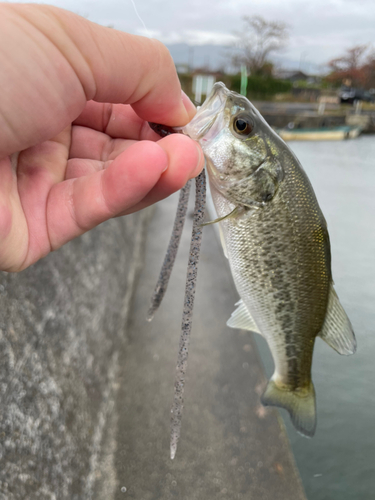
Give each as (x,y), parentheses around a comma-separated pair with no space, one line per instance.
(62,334)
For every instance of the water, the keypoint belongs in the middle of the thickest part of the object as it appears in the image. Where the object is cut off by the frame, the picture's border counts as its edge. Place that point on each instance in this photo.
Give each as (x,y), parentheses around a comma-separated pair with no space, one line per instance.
(339,462)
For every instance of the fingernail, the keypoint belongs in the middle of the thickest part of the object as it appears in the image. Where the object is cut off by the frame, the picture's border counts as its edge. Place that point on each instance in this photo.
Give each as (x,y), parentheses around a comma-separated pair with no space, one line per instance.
(189,106)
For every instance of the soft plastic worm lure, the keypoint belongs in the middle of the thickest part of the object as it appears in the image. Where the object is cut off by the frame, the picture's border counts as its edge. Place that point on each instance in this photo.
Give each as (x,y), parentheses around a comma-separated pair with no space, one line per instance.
(170,256)
(191,281)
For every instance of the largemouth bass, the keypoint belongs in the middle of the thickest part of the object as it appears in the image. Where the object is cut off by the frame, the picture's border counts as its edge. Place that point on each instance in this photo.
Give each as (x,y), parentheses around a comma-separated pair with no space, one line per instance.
(276,239)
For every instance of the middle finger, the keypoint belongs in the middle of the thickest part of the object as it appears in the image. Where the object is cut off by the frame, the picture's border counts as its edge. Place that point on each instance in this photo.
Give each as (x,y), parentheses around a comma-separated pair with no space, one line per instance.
(94,145)
(115,120)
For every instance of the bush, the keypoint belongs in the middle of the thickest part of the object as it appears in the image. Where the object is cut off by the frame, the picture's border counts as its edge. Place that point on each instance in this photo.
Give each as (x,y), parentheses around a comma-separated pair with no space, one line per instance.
(260,87)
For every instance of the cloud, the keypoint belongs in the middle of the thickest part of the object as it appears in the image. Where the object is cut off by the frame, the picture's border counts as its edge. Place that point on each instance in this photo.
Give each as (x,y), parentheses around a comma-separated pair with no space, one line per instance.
(320,30)
(191,37)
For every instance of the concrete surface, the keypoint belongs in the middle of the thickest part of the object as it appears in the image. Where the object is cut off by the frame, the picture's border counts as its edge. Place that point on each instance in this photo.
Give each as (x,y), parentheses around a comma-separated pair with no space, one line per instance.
(86,384)
(62,335)
(230,447)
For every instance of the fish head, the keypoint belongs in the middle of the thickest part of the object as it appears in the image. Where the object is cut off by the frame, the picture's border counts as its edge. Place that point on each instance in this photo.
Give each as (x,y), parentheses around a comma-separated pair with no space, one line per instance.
(239,146)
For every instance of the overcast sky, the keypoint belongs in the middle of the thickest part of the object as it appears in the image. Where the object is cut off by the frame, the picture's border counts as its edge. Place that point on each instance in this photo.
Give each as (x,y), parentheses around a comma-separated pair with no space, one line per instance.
(319,29)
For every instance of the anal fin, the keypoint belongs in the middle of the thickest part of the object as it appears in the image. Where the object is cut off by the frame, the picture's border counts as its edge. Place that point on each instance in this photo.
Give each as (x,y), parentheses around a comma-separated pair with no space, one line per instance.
(337,330)
(242,319)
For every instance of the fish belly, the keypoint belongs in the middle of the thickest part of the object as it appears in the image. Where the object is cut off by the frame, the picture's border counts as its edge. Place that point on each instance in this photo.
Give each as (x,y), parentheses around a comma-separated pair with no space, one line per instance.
(282,279)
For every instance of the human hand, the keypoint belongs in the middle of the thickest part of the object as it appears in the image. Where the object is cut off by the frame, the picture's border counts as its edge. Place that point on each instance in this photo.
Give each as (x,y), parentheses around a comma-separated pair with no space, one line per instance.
(75,146)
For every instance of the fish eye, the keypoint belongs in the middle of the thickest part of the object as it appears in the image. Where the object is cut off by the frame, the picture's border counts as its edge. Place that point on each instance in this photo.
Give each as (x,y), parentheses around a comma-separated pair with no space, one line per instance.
(268,197)
(242,125)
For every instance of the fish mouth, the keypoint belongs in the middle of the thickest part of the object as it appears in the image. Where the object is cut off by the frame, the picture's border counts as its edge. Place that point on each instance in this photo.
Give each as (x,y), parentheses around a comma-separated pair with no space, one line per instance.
(205,128)
(207,114)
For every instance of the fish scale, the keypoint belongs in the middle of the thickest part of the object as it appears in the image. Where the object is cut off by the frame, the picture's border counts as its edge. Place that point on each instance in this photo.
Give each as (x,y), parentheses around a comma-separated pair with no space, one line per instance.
(265,275)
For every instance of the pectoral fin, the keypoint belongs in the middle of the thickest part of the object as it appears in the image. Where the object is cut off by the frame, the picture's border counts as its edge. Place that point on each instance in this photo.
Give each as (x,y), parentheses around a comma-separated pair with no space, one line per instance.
(231,214)
(222,240)
(242,319)
(337,330)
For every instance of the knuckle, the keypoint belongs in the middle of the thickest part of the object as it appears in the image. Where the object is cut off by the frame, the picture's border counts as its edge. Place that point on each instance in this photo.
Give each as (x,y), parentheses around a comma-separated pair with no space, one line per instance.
(164,57)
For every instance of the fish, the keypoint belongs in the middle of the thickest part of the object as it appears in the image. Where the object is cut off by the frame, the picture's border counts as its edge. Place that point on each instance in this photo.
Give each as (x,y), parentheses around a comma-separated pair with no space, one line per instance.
(275,237)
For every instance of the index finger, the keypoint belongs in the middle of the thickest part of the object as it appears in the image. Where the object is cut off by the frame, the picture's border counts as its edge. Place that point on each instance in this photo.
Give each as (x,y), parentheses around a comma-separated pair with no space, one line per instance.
(113,66)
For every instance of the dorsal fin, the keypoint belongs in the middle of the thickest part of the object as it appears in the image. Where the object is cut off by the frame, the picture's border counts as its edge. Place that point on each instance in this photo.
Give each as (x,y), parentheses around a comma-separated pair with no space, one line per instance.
(337,330)
(242,319)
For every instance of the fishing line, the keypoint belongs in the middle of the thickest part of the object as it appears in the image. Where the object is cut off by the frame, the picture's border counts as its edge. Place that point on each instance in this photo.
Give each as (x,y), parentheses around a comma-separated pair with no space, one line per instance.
(139,17)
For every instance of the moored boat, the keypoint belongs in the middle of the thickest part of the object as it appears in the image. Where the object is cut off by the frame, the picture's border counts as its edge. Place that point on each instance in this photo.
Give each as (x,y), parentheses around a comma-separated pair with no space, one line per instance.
(320,134)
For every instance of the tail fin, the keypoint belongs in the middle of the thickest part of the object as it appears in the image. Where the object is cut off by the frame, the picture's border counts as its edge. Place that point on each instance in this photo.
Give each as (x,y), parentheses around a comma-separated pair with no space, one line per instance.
(300,405)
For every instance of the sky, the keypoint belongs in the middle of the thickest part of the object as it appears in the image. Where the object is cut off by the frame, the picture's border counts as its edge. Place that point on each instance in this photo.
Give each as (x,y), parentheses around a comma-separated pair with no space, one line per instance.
(319,30)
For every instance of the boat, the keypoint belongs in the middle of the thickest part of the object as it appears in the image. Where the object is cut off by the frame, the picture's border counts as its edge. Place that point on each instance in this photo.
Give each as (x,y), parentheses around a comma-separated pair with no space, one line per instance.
(320,134)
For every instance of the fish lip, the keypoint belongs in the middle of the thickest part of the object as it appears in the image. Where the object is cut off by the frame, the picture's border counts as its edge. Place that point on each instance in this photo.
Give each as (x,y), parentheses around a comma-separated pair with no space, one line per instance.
(213,106)
(207,113)
(203,131)
(219,93)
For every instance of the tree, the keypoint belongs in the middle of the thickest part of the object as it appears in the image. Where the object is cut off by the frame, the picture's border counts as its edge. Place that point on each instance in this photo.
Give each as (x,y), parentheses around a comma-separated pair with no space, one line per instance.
(256,41)
(349,68)
(369,70)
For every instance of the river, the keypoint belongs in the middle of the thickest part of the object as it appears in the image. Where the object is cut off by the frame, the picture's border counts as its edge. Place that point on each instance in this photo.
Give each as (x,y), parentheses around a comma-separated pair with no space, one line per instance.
(339,462)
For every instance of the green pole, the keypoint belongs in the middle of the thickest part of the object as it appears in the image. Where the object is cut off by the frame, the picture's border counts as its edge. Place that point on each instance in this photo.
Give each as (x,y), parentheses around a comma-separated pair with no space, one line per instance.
(243,80)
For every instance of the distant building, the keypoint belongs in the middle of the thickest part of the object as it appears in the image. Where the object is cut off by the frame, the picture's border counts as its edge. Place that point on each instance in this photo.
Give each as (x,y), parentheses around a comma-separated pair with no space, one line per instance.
(182,68)
(203,81)
(291,75)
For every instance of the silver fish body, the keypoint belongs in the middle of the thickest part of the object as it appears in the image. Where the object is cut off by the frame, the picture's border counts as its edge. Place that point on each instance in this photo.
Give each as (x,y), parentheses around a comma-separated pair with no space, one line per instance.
(276,239)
